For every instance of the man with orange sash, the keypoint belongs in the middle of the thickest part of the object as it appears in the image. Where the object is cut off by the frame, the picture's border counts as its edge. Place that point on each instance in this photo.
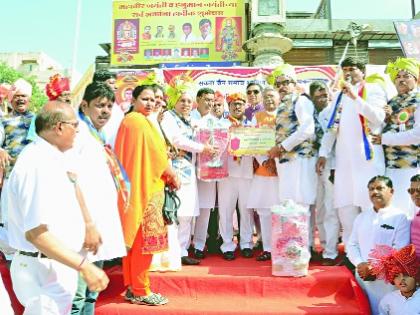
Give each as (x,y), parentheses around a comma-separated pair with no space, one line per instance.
(358,111)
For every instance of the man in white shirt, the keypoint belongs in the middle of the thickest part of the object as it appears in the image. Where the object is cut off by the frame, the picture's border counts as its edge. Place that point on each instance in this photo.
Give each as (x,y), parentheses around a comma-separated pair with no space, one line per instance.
(46,227)
(326,215)
(235,189)
(382,224)
(188,36)
(358,111)
(91,161)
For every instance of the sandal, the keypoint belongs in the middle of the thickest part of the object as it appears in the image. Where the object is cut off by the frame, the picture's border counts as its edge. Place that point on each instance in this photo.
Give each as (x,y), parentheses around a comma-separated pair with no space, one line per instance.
(153,299)
(264,256)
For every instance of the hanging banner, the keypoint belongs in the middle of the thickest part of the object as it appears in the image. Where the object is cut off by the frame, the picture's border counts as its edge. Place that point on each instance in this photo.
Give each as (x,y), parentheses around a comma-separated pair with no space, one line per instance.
(151,32)
(409,35)
(231,80)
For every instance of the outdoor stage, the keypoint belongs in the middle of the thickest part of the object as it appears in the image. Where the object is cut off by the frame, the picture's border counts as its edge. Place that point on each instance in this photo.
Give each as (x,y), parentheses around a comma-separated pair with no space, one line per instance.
(242,286)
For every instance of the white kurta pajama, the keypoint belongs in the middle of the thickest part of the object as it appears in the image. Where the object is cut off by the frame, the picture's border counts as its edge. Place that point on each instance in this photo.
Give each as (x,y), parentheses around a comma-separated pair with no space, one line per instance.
(88,160)
(352,170)
(264,186)
(388,226)
(206,190)
(327,220)
(181,136)
(298,180)
(236,188)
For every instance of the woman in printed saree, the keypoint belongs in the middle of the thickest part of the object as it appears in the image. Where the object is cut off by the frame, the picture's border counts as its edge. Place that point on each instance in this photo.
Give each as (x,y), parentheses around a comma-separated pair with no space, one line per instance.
(142,152)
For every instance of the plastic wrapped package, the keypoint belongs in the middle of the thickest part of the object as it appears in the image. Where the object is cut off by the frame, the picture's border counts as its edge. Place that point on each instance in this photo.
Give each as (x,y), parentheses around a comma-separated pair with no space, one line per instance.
(290,240)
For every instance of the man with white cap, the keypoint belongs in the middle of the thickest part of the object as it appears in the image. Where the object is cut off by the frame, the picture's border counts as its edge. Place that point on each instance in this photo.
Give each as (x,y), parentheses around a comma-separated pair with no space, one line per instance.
(13,138)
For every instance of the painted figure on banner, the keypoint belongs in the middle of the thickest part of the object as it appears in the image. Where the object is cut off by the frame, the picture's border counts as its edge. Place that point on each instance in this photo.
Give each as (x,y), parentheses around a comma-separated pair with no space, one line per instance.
(228,36)
(171,32)
(127,36)
(146,34)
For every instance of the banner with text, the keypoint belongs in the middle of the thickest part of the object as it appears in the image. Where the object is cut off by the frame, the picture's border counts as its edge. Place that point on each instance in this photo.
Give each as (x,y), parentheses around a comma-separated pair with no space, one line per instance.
(151,32)
(231,80)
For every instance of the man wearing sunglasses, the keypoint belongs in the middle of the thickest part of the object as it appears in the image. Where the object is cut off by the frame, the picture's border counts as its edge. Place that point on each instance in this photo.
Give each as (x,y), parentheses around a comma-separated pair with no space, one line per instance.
(401,134)
(254,100)
(414,192)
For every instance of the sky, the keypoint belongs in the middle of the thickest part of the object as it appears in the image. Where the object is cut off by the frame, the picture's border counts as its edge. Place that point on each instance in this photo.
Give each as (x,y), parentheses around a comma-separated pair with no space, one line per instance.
(49,25)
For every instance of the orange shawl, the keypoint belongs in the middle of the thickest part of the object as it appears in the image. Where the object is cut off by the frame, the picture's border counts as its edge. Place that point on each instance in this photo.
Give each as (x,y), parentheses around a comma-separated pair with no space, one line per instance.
(142,153)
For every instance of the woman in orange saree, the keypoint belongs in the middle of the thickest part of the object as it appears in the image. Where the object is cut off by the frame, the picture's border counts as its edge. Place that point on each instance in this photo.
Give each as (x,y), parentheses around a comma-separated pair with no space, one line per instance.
(142,152)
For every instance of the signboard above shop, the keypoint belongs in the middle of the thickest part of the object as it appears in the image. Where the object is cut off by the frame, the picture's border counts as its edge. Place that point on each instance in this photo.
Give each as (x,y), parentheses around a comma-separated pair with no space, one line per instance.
(152,32)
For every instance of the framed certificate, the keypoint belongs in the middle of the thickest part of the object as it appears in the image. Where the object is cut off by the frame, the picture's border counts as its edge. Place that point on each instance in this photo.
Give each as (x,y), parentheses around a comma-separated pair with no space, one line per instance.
(251,140)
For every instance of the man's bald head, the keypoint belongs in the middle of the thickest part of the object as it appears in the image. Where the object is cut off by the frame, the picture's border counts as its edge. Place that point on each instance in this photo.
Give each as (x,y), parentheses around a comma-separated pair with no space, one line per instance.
(51,114)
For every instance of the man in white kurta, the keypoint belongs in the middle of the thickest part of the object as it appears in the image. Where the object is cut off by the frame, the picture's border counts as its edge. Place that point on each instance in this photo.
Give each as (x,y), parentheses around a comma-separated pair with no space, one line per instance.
(326,215)
(236,189)
(355,161)
(47,227)
(206,190)
(295,148)
(88,159)
(401,134)
(381,224)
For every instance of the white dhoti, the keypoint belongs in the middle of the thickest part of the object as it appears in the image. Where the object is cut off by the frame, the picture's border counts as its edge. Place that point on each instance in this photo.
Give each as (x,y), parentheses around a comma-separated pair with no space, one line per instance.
(264,194)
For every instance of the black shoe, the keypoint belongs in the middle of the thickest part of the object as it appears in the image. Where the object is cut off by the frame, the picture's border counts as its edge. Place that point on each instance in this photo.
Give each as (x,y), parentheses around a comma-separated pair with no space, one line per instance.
(247,253)
(229,255)
(199,254)
(258,245)
(264,256)
(189,261)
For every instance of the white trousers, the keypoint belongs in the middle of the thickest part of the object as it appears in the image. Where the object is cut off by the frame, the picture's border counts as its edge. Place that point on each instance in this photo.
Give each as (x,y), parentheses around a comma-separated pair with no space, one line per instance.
(347,215)
(265,223)
(200,230)
(375,291)
(326,216)
(6,305)
(232,190)
(184,233)
(43,286)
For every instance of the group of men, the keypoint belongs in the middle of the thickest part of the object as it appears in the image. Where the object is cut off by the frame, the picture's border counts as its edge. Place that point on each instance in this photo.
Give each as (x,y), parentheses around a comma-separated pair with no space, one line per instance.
(331,154)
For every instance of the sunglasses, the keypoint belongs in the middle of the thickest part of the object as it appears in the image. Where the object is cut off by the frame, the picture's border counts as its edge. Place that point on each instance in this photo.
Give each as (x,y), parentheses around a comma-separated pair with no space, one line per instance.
(412,191)
(249,92)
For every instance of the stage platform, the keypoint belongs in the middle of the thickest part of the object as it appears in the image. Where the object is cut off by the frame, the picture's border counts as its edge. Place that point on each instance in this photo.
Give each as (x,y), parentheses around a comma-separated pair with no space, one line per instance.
(242,286)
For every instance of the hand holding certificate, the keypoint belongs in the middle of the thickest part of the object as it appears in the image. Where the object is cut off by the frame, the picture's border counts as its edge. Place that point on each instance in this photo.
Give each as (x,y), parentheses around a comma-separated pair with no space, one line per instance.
(251,140)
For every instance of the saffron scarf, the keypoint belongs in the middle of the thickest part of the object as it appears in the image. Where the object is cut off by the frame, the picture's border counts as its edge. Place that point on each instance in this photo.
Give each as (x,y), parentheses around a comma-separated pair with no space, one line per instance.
(121,181)
(334,122)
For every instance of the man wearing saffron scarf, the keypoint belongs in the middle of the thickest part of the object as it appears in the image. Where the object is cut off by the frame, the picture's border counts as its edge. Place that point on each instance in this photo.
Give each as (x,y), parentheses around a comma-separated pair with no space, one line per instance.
(236,188)
(358,111)
(99,179)
(401,134)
